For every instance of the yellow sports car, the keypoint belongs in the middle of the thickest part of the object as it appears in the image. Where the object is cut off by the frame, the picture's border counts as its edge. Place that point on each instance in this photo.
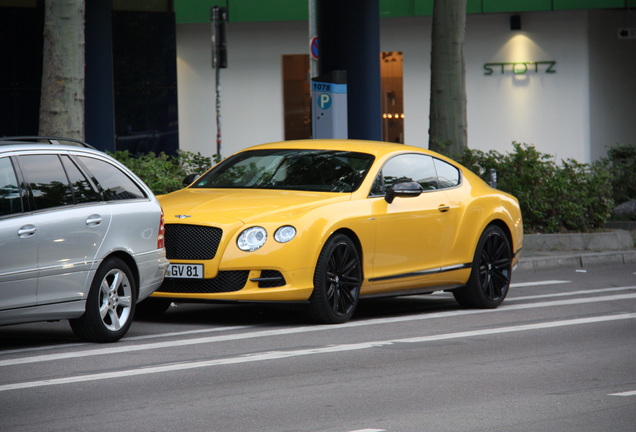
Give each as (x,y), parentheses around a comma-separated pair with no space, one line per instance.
(323,223)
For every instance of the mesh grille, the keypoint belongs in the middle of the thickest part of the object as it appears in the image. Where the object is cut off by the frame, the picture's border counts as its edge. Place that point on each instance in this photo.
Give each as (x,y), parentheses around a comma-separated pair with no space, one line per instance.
(225,281)
(191,242)
(277,279)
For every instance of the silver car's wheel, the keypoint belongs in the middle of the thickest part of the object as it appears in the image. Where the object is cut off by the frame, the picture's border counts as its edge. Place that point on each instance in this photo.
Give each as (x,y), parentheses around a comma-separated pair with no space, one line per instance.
(337,281)
(110,305)
(490,277)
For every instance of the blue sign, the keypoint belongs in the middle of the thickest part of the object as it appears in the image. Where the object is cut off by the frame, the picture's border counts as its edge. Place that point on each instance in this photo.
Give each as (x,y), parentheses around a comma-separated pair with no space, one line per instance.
(324,101)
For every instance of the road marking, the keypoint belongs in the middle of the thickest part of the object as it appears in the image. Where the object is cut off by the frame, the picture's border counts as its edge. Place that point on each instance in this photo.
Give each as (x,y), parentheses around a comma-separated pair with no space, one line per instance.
(539,283)
(276,355)
(629,393)
(123,348)
(369,430)
(571,293)
(231,328)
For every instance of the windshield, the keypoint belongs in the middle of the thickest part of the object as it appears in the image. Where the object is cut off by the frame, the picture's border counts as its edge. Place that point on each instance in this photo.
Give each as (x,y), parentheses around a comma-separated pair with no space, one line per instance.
(291,169)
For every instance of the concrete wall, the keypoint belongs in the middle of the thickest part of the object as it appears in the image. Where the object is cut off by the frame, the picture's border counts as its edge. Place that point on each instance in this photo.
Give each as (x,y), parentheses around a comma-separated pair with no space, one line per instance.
(570,114)
(612,81)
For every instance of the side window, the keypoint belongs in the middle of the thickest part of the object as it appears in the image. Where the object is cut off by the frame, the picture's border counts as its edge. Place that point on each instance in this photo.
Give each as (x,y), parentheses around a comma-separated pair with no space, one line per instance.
(406,168)
(10,201)
(447,175)
(82,188)
(47,181)
(115,184)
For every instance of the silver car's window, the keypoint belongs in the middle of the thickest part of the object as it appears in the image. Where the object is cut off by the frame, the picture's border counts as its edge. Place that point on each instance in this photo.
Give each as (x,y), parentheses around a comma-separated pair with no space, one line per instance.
(115,184)
(48,184)
(10,201)
(406,168)
(82,188)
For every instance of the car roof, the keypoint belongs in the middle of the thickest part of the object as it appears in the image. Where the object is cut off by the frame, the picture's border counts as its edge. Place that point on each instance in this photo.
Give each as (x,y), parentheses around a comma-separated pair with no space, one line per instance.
(22,140)
(45,144)
(376,148)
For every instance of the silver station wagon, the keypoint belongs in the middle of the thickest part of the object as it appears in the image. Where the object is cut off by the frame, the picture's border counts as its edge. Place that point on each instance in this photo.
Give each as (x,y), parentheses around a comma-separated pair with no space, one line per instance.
(81,237)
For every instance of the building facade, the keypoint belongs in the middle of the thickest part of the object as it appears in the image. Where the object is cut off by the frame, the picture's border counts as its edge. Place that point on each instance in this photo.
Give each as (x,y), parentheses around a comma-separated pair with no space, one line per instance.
(563,81)
(559,76)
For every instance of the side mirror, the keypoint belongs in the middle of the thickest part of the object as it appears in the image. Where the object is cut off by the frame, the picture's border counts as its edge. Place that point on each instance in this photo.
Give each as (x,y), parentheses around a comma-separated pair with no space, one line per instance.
(405,190)
(190,178)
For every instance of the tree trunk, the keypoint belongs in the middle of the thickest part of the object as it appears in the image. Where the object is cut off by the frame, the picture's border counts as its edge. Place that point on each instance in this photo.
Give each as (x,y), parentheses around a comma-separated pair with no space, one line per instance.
(62,98)
(448,129)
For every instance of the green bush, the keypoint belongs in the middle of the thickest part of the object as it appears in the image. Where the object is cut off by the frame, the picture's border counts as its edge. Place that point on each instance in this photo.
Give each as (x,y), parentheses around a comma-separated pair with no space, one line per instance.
(621,164)
(163,173)
(553,198)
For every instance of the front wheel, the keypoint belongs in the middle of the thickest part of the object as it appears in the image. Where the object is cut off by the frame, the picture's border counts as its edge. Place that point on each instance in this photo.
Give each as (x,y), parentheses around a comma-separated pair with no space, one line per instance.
(110,305)
(337,281)
(491,270)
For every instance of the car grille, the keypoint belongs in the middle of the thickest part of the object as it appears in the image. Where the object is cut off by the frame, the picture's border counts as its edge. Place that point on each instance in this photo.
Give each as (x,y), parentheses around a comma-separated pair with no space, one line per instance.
(225,281)
(191,242)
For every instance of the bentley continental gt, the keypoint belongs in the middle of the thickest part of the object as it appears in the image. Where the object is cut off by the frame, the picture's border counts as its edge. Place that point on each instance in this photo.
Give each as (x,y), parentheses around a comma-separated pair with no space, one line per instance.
(324,223)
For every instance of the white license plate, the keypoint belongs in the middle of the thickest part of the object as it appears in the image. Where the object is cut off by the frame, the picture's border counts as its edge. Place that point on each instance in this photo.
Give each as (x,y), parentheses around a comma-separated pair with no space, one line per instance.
(189,271)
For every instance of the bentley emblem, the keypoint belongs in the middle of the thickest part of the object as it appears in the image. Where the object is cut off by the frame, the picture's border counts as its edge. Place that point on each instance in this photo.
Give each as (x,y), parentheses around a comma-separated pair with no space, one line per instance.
(182,216)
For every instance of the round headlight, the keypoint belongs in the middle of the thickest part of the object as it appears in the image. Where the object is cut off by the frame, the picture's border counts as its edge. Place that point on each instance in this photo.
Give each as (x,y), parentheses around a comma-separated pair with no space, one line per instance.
(251,239)
(285,234)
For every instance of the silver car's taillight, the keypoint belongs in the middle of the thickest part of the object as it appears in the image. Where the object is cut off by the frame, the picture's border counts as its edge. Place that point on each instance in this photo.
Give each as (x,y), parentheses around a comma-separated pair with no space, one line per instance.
(161,240)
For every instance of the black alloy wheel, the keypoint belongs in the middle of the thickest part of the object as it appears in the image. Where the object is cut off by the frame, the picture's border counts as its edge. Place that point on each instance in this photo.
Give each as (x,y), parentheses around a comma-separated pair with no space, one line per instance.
(490,276)
(337,281)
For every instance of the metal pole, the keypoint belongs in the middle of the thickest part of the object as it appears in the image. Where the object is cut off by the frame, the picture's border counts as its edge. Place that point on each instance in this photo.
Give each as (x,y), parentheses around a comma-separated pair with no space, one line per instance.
(313,32)
(219,61)
(217,88)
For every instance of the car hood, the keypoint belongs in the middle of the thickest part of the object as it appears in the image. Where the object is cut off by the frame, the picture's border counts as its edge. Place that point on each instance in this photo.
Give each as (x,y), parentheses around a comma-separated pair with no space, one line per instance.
(228,206)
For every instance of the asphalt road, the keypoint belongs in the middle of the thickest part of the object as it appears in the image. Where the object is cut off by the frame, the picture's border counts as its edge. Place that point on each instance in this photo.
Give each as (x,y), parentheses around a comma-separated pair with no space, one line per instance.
(558,355)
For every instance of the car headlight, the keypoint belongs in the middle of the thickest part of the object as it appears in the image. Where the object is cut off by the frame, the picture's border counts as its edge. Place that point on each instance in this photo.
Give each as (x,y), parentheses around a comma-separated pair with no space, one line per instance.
(285,234)
(251,239)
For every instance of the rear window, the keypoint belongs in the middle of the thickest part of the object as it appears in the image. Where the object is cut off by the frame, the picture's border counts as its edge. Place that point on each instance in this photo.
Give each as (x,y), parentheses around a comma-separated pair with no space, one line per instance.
(113,182)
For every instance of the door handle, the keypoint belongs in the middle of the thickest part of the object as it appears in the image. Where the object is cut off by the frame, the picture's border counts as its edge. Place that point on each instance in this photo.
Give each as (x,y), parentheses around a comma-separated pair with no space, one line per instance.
(27,231)
(443,208)
(93,220)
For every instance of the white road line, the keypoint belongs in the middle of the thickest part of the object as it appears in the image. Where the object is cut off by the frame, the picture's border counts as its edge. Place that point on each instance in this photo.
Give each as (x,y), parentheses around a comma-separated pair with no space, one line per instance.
(189,332)
(369,430)
(275,355)
(124,348)
(629,393)
(230,328)
(571,293)
(539,283)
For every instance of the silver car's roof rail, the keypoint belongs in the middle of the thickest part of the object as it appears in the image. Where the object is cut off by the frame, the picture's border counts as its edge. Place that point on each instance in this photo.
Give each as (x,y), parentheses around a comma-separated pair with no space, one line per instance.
(43,139)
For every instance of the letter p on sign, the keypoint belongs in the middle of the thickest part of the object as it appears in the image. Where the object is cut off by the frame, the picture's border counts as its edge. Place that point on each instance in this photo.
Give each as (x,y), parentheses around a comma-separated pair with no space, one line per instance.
(324,101)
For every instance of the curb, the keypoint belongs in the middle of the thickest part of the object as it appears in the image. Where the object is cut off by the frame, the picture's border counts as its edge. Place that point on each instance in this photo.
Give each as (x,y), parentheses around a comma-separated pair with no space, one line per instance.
(545,261)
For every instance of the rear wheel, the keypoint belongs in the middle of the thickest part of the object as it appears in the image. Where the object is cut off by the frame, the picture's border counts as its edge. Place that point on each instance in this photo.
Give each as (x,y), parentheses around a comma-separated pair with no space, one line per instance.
(110,305)
(490,276)
(337,281)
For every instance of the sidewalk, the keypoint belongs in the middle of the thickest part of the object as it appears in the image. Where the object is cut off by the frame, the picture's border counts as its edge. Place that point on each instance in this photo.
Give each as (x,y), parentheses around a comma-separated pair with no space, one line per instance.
(550,251)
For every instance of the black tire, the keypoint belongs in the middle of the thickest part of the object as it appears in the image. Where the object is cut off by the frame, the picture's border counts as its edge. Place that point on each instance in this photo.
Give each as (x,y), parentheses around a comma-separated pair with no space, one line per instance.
(110,305)
(337,281)
(152,307)
(491,270)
